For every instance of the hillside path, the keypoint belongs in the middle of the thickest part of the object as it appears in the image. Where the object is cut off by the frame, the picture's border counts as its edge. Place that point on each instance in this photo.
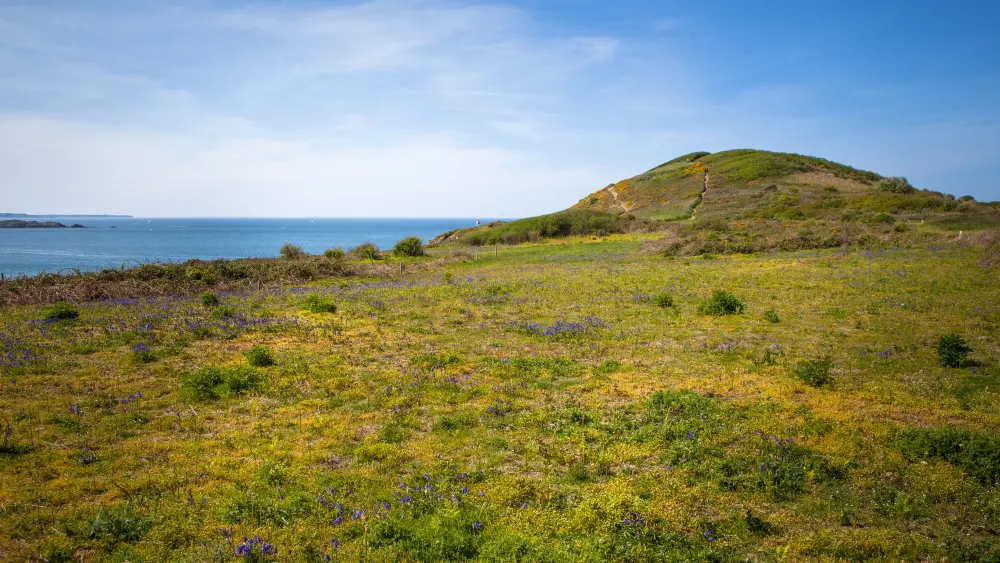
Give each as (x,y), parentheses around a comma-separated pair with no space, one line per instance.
(614,194)
(701,198)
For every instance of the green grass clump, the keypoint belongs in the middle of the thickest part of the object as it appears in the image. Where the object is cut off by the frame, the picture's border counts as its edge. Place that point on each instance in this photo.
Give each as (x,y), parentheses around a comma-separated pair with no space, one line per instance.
(771,316)
(209,299)
(814,372)
(664,300)
(953,351)
(319,304)
(409,246)
(722,303)
(213,383)
(977,454)
(260,356)
(61,311)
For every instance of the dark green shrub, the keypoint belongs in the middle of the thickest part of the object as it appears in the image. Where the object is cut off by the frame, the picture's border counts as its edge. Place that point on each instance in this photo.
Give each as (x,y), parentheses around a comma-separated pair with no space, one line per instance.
(814,372)
(896,185)
(335,253)
(977,454)
(291,251)
(953,351)
(368,251)
(409,246)
(212,383)
(880,218)
(664,300)
(209,299)
(771,316)
(202,275)
(241,379)
(607,367)
(722,303)
(260,356)
(61,311)
(966,198)
(318,304)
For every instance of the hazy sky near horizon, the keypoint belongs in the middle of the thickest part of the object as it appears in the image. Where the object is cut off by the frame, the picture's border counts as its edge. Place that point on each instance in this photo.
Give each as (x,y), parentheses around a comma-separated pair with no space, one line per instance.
(441,108)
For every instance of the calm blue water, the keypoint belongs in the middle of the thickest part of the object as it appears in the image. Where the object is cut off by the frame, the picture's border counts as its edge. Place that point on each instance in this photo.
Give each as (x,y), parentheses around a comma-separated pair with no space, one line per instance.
(136,241)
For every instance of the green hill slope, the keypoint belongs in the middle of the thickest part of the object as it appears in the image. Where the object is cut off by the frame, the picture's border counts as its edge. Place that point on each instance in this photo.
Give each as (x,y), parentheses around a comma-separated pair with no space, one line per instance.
(769,191)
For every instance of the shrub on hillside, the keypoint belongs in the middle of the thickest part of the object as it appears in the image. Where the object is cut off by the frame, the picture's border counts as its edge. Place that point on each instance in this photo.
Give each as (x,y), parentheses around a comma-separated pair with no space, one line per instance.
(209,299)
(213,383)
(202,275)
(814,372)
(260,356)
(60,311)
(291,251)
(368,251)
(771,316)
(953,351)
(897,185)
(318,304)
(572,222)
(335,253)
(409,246)
(722,303)
(664,300)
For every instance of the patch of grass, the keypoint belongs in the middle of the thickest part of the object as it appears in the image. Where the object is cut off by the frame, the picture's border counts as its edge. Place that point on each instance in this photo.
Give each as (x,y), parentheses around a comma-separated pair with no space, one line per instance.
(977,454)
(213,383)
(771,316)
(664,300)
(61,311)
(814,372)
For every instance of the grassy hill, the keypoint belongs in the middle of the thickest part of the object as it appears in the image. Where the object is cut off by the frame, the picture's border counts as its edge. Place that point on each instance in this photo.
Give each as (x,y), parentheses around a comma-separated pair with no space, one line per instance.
(763,200)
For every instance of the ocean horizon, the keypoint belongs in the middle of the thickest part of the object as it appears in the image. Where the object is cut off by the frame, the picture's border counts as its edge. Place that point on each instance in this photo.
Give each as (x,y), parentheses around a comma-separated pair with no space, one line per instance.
(114,242)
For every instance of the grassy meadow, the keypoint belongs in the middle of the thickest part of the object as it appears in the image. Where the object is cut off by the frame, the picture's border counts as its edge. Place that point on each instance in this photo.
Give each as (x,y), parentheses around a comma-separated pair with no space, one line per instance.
(569,401)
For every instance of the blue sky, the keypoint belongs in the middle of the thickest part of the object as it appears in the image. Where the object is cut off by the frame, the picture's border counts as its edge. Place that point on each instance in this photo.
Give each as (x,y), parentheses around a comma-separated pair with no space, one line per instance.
(494,109)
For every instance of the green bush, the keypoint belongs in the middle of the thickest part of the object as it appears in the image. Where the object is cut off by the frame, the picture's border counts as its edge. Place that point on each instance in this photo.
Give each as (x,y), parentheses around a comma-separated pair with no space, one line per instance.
(260,356)
(291,251)
(142,353)
(953,351)
(814,372)
(977,454)
(212,383)
(722,303)
(335,253)
(664,300)
(318,304)
(368,251)
(60,311)
(896,185)
(572,222)
(202,275)
(409,246)
(209,299)
(771,316)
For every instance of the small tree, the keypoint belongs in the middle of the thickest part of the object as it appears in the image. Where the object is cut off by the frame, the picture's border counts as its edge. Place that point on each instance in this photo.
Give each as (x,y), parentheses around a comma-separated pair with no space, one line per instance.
(897,185)
(953,351)
(335,253)
(409,246)
(291,251)
(368,251)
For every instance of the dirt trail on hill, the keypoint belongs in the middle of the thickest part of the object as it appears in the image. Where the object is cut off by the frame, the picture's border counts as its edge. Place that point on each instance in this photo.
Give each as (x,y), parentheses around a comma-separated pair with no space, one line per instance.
(701,197)
(614,194)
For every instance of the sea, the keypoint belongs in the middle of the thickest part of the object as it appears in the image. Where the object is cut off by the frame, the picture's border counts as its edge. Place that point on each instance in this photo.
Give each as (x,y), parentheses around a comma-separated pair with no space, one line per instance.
(114,242)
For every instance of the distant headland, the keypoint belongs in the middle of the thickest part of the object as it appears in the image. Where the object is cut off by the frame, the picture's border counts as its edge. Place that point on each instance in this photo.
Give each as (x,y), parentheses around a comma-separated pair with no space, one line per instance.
(19,224)
(61,215)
